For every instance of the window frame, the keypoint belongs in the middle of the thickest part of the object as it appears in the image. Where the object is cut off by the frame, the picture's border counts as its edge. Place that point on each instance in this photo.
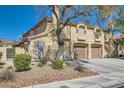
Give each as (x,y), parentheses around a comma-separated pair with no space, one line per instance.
(81,30)
(97,33)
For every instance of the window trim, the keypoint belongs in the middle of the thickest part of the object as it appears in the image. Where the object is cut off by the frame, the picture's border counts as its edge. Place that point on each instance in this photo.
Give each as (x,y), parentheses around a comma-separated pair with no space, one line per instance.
(85,28)
(100,32)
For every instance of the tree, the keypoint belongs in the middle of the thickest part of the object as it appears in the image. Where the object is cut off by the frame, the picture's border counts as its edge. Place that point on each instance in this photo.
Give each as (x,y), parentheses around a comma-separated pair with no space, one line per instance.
(120,42)
(105,15)
(63,15)
(120,26)
(108,15)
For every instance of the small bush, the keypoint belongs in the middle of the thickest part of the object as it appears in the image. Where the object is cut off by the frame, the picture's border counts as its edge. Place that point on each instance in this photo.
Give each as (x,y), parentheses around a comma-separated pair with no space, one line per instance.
(121,55)
(9,67)
(43,60)
(7,75)
(22,61)
(1,55)
(57,64)
(40,65)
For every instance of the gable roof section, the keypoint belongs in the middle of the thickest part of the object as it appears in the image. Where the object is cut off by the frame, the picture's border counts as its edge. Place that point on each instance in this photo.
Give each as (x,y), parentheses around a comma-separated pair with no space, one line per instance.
(44,20)
(2,40)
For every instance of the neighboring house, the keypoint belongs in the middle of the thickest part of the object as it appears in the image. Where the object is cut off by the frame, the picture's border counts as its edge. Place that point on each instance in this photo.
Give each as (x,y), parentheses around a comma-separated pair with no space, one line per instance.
(80,39)
(6,49)
(118,49)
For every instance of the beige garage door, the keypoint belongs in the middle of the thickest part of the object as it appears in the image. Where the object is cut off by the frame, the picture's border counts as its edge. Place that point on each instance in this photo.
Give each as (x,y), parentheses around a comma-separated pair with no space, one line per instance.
(96,52)
(81,52)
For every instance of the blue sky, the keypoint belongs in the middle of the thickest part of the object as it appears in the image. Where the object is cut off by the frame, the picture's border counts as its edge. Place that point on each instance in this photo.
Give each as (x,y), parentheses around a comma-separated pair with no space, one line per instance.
(14,20)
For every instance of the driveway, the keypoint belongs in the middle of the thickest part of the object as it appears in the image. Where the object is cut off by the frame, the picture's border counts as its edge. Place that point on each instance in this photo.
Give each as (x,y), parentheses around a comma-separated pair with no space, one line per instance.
(103,66)
(111,74)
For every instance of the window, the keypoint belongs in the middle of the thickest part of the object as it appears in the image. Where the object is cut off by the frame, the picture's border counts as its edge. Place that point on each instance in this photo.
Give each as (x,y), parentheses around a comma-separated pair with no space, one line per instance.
(97,34)
(81,31)
(106,36)
(31,33)
(35,32)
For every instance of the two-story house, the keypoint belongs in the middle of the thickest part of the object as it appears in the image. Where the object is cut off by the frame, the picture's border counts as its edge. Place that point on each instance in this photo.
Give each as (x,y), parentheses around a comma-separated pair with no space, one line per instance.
(82,40)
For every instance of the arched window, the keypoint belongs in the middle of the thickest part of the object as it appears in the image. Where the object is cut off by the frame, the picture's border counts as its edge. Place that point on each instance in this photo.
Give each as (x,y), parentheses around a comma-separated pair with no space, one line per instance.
(97,33)
(81,31)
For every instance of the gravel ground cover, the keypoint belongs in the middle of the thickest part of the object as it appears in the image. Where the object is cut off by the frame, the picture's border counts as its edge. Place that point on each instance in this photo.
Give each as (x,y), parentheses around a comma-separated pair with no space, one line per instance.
(45,74)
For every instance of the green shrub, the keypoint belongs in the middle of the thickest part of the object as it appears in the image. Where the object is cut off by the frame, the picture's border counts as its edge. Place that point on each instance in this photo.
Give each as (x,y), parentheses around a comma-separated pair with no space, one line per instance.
(121,55)
(57,64)
(1,55)
(43,60)
(7,75)
(22,61)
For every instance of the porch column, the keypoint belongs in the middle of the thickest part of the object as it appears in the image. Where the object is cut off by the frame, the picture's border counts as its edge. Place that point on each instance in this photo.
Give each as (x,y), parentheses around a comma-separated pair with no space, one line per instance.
(103,51)
(89,51)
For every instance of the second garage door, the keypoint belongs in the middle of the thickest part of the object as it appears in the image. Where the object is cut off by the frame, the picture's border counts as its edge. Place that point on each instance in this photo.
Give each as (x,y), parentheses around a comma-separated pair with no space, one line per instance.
(96,52)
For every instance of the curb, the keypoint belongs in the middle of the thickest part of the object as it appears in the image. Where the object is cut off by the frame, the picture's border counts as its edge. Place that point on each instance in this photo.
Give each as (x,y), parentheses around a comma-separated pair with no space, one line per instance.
(110,84)
(113,84)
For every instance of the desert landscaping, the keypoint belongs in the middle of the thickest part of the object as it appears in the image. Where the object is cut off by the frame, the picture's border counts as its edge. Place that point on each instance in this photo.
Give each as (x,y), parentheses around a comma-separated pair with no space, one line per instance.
(40,75)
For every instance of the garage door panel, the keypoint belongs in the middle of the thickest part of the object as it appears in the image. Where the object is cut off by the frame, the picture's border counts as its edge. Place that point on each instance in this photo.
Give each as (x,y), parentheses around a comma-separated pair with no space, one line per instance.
(96,52)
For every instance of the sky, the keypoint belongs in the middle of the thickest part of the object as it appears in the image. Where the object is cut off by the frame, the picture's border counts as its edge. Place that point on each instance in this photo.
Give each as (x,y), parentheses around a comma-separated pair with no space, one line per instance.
(15,20)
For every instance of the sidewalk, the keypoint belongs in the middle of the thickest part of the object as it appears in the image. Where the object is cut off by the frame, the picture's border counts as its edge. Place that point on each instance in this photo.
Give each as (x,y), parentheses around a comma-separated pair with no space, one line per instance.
(112,80)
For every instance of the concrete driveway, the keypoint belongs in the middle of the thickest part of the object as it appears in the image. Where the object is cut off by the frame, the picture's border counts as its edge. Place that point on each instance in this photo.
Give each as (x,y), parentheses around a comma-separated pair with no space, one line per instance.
(104,65)
(111,75)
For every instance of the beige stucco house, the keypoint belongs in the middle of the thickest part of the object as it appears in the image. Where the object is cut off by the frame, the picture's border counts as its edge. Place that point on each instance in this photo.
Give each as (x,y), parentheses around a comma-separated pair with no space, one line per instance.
(82,40)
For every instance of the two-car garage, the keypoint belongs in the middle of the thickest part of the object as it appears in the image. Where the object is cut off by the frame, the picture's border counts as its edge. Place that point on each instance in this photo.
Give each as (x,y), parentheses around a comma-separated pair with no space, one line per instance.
(82,51)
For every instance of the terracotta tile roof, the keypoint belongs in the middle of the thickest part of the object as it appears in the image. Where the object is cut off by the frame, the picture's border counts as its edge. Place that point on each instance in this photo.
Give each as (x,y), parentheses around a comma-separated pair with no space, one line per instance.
(118,36)
(46,19)
(5,40)
(49,19)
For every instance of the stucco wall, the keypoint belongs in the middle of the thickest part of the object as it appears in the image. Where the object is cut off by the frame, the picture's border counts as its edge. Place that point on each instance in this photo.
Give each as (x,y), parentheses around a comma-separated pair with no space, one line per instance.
(19,50)
(72,35)
(3,50)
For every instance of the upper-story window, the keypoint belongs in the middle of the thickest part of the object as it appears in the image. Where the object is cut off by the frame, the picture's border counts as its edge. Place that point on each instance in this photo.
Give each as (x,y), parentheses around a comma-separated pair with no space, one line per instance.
(81,31)
(97,33)
(106,36)
(35,32)
(31,33)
